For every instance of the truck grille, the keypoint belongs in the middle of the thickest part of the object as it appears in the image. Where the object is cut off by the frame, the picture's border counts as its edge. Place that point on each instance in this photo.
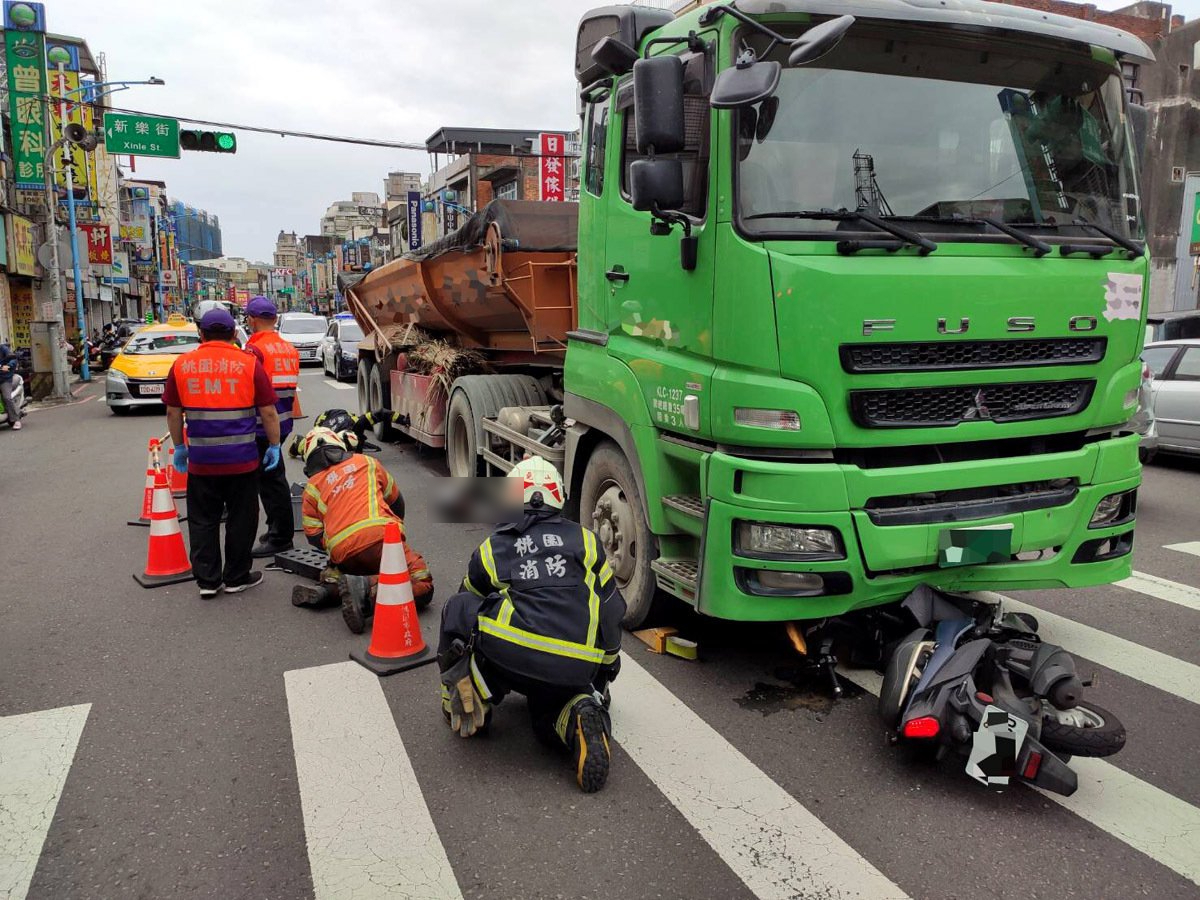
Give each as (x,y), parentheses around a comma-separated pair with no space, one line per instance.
(945,406)
(926,356)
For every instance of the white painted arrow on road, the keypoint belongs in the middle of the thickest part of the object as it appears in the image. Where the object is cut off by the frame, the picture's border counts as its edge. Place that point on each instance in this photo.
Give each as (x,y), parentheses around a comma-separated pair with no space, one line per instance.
(36,751)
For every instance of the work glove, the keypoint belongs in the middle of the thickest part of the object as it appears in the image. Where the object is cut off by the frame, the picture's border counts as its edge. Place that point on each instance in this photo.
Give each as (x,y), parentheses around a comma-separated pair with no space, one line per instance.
(468,710)
(272,458)
(179,458)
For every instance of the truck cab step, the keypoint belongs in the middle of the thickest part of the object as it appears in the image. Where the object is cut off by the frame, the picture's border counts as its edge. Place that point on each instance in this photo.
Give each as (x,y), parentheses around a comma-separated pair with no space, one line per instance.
(688,504)
(680,577)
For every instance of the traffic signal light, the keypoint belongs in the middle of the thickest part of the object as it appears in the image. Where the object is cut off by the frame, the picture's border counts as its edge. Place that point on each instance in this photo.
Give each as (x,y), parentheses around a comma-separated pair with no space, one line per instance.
(208,141)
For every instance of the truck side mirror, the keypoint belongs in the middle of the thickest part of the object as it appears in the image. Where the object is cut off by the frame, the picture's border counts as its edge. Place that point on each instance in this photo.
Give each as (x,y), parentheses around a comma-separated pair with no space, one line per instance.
(818,40)
(745,85)
(658,104)
(1139,123)
(613,56)
(656,184)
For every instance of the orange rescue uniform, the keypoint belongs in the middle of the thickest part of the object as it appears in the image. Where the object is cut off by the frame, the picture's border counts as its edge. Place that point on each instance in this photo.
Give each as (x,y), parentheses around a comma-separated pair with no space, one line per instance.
(347,506)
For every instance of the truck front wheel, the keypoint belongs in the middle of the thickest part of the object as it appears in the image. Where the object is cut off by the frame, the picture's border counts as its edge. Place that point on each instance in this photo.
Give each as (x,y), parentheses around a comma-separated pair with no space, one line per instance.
(462,454)
(610,504)
(365,366)
(380,397)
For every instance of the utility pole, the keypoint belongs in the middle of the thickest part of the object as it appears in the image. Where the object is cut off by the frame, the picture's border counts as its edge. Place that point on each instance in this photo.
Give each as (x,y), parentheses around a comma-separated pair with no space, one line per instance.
(60,389)
(69,168)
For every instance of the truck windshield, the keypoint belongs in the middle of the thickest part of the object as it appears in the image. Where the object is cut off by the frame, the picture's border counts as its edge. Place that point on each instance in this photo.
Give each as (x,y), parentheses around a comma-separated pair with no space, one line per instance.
(934,129)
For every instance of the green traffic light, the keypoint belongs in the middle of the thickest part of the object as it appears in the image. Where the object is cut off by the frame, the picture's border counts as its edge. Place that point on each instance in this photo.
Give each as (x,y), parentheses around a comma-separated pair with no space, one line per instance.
(226,142)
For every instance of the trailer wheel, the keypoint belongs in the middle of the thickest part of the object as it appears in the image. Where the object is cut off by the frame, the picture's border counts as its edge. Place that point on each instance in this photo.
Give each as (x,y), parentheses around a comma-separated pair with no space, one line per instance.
(609,504)
(365,366)
(380,397)
(462,452)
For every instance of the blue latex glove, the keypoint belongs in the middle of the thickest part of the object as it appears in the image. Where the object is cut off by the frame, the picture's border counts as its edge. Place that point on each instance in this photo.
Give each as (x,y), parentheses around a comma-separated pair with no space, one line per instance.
(272,458)
(179,458)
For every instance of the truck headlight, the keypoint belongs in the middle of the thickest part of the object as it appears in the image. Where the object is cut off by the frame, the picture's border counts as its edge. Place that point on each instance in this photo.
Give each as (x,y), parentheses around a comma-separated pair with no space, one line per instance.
(1113,509)
(769,541)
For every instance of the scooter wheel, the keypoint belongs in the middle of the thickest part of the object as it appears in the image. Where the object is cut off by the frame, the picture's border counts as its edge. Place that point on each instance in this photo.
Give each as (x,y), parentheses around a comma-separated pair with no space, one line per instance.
(1086,730)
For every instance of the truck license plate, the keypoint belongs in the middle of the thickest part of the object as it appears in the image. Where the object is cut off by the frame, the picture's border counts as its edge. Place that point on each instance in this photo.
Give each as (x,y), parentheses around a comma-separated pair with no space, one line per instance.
(975,546)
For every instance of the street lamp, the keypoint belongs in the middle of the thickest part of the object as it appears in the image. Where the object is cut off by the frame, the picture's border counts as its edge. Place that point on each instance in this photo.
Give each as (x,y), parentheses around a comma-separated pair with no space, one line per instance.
(92,93)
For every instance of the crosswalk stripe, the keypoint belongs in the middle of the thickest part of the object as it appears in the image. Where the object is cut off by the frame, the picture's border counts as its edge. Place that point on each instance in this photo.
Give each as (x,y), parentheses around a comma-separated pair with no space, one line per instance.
(771,842)
(368,829)
(1149,666)
(1136,813)
(1160,588)
(36,751)
(1192,547)
(337,385)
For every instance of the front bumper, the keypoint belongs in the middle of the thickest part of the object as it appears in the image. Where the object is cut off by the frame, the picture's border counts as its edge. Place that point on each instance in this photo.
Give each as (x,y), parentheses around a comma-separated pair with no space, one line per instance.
(884,562)
(310,355)
(129,393)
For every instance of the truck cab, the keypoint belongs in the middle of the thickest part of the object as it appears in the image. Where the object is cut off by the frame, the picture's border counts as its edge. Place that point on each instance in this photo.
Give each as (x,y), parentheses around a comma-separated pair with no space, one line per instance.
(861,295)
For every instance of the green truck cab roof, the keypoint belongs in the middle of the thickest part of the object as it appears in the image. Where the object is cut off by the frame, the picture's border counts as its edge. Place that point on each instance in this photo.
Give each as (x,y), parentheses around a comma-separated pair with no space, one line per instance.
(982,15)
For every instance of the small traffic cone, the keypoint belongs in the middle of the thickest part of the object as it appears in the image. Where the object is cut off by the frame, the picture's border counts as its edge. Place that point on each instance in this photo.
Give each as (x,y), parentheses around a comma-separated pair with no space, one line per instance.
(177,480)
(152,463)
(166,557)
(297,412)
(396,642)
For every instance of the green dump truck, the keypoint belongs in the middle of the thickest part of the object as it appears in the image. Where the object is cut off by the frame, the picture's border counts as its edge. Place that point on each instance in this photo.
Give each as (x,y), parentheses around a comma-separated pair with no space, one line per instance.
(856,303)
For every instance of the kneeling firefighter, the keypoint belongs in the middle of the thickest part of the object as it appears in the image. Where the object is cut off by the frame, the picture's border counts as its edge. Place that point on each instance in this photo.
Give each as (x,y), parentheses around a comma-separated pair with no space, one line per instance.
(348,502)
(539,613)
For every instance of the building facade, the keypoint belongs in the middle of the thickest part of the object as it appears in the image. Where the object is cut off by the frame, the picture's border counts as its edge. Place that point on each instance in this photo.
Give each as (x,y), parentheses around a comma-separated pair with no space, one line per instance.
(197,232)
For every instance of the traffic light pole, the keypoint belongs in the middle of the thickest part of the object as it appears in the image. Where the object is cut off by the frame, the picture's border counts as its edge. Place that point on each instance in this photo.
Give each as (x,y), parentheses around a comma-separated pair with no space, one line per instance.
(85,373)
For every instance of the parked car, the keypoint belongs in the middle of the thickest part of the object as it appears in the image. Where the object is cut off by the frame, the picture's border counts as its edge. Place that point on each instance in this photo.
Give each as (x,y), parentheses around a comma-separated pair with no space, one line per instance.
(339,350)
(305,332)
(1179,324)
(1175,366)
(138,374)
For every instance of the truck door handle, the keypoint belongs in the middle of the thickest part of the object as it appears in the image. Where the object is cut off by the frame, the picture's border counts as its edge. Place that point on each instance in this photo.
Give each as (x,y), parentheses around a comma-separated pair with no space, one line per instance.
(617,274)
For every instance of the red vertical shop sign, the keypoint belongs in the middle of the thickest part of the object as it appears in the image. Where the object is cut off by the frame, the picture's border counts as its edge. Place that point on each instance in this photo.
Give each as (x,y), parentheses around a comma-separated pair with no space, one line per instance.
(552,166)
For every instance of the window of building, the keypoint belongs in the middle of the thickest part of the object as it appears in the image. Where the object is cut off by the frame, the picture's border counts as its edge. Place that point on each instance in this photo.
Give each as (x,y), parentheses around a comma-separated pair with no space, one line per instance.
(506,191)
(696,121)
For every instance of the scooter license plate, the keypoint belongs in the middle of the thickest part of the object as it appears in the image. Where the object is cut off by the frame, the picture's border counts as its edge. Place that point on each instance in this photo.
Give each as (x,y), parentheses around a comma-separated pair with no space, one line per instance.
(996,747)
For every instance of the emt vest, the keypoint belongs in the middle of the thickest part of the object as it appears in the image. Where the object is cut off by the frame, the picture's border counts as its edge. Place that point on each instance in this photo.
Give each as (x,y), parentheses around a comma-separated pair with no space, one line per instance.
(282,364)
(216,387)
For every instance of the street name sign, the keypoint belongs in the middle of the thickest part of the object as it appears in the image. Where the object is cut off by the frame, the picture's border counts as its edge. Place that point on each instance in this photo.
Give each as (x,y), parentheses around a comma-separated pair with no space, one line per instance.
(136,135)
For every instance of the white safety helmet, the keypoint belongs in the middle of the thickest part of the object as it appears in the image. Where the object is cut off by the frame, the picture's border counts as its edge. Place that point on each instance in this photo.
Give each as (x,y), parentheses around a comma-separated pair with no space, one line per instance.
(320,437)
(539,480)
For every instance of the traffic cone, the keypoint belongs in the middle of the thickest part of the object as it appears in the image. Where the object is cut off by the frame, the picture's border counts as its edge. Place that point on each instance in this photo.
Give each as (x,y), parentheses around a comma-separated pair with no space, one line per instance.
(177,480)
(396,642)
(297,412)
(152,463)
(166,557)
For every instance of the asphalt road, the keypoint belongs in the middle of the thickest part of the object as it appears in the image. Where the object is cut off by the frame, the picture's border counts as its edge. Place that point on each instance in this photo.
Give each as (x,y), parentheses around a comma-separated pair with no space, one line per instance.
(160,746)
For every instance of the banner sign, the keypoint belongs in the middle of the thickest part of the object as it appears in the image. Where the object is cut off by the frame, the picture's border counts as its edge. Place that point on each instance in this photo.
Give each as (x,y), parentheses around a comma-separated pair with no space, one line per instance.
(119,268)
(24,53)
(65,84)
(99,243)
(1194,247)
(23,253)
(22,312)
(414,220)
(552,168)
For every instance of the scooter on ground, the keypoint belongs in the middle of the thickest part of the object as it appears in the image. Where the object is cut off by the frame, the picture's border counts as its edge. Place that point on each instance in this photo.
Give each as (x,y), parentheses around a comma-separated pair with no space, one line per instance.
(977,682)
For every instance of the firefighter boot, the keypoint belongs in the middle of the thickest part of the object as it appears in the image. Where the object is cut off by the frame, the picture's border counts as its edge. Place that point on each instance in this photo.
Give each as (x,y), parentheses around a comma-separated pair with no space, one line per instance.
(584,726)
(355,593)
(314,595)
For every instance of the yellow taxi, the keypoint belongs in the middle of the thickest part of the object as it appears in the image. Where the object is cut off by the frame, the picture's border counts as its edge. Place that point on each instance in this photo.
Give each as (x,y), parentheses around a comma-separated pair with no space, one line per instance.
(138,375)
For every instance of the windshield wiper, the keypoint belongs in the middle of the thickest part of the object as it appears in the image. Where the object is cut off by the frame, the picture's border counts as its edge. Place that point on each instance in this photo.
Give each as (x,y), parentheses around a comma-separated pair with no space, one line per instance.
(844,215)
(1133,248)
(1040,248)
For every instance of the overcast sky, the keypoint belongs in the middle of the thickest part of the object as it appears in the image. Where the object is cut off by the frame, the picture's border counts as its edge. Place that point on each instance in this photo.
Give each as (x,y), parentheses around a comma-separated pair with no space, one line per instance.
(386,69)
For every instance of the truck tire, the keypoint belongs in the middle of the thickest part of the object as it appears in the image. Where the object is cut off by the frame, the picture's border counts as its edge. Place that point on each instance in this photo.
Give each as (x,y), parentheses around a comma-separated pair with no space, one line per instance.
(462,450)
(379,395)
(610,504)
(474,398)
(365,365)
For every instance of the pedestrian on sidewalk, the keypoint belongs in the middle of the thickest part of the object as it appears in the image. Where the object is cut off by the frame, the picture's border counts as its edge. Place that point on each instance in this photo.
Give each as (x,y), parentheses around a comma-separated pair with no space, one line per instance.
(218,388)
(282,363)
(8,368)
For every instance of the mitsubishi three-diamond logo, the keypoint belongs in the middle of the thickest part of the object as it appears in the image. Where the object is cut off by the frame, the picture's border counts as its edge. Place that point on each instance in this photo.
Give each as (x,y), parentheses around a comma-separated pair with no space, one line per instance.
(978,408)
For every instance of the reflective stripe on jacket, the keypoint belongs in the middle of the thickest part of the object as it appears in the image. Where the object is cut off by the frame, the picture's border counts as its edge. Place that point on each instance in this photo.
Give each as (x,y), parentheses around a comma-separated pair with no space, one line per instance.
(216,389)
(282,363)
(348,504)
(555,611)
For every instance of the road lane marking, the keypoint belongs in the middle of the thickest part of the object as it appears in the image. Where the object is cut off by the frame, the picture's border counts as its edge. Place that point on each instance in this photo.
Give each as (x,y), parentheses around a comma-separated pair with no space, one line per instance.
(367,826)
(1192,547)
(36,751)
(1141,663)
(1160,588)
(338,385)
(1138,814)
(771,842)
